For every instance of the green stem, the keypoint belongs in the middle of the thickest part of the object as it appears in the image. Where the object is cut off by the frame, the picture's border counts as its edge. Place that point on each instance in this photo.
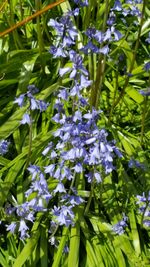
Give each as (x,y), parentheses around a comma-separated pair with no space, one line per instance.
(17,41)
(30,143)
(39,35)
(97,87)
(114,97)
(90,198)
(144,115)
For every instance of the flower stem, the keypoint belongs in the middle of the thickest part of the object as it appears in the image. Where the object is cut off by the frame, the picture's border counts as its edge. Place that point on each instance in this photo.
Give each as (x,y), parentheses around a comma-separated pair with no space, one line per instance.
(97,87)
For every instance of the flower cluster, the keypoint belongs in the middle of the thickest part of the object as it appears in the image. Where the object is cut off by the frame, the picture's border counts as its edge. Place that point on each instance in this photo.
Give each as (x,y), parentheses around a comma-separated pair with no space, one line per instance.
(118,228)
(33,103)
(37,197)
(144,208)
(80,147)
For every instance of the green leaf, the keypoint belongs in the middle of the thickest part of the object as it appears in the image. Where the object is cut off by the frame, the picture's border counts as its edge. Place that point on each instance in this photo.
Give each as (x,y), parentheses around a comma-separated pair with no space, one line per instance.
(74,246)
(57,257)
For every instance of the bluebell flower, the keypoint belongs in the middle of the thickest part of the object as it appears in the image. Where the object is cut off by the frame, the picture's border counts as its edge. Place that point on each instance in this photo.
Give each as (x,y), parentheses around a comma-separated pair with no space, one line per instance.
(32,89)
(23,229)
(89,48)
(11,227)
(90,32)
(34,170)
(148,39)
(104,50)
(143,203)
(81,3)
(77,67)
(74,12)
(141,198)
(57,51)
(63,71)
(117,6)
(60,188)
(4,147)
(63,94)
(78,167)
(146,223)
(97,177)
(65,29)
(34,104)
(75,200)
(135,163)
(20,100)
(145,93)
(47,149)
(135,11)
(56,25)
(57,173)
(112,18)
(66,249)
(147,66)
(99,36)
(118,228)
(63,215)
(26,119)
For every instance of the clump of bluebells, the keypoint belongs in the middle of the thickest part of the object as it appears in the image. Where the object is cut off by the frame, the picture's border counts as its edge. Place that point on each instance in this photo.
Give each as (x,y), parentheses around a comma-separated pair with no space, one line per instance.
(143,203)
(80,147)
(119,228)
(28,99)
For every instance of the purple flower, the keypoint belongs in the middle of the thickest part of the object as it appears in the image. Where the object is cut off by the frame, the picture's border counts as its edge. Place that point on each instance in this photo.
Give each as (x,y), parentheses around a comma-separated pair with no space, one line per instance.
(63,94)
(4,147)
(99,36)
(84,82)
(47,149)
(97,177)
(57,51)
(146,223)
(118,228)
(112,18)
(23,228)
(147,66)
(75,200)
(117,6)
(81,2)
(63,71)
(148,39)
(141,198)
(90,47)
(42,105)
(26,119)
(20,100)
(32,89)
(60,188)
(12,227)
(63,215)
(34,104)
(135,163)
(90,32)
(65,30)
(104,50)
(145,93)
(78,167)
(34,170)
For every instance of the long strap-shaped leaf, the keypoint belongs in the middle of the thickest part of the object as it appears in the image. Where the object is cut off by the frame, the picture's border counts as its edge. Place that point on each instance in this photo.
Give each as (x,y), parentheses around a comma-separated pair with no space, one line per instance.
(36,14)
